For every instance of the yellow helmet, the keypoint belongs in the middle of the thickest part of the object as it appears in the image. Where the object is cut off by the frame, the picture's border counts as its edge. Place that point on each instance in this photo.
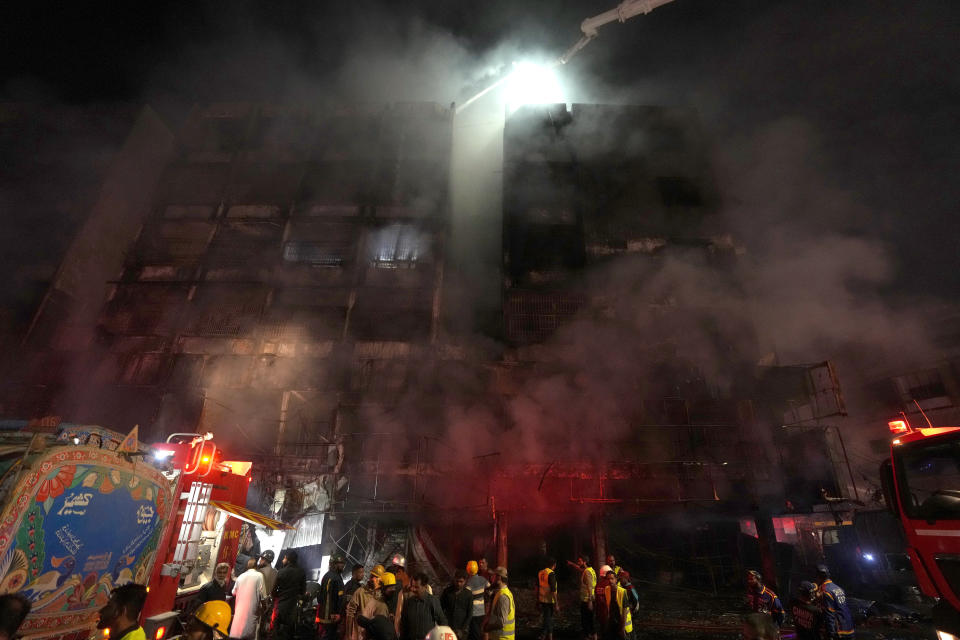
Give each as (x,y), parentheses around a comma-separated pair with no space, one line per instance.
(377,571)
(388,579)
(215,614)
(472,568)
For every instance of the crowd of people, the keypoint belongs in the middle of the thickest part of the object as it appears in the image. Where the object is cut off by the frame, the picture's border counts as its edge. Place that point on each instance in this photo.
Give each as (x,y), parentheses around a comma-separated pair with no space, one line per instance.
(478,604)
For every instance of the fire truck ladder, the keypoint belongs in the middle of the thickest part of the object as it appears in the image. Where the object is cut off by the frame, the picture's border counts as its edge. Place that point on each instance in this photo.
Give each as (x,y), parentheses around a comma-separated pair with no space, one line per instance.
(188,542)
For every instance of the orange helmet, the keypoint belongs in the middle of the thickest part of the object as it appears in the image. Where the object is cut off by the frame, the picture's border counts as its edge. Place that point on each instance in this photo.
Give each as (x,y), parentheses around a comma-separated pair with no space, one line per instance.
(472,568)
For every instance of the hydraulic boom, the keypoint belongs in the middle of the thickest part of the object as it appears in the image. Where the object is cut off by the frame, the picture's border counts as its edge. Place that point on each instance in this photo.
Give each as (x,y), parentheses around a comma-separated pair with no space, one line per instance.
(621,13)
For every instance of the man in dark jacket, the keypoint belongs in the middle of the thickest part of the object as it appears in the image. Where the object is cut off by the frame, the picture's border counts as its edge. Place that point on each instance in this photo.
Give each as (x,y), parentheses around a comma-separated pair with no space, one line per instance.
(291,584)
(837,619)
(329,598)
(218,588)
(807,617)
(421,611)
(354,583)
(457,603)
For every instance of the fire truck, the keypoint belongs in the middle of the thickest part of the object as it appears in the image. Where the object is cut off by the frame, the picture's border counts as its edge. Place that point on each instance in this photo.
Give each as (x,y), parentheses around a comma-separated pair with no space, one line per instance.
(921,481)
(84,509)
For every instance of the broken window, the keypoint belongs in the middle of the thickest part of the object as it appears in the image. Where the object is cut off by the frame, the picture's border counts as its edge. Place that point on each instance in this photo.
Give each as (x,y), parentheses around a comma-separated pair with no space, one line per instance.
(247,243)
(925,387)
(142,369)
(398,245)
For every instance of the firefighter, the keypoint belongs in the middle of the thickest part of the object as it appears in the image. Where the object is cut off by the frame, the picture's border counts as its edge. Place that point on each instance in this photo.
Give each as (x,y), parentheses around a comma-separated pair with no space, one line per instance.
(547,596)
(477,585)
(329,599)
(837,619)
(807,617)
(760,599)
(393,594)
(210,621)
(501,622)
(367,601)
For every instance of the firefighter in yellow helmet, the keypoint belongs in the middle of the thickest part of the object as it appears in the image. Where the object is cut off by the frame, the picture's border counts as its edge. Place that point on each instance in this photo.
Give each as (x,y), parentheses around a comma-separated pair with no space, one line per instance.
(477,585)
(210,621)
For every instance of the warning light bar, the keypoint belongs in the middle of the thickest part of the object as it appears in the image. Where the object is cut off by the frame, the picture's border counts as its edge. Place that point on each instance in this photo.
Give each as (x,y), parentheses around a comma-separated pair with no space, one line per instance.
(898,427)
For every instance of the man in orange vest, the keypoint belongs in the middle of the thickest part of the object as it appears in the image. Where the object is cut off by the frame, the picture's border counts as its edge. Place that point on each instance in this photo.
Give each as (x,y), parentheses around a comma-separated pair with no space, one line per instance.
(547,597)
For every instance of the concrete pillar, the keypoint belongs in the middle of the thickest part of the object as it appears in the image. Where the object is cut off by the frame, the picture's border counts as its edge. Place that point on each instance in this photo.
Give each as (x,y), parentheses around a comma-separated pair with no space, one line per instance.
(502,539)
(599,540)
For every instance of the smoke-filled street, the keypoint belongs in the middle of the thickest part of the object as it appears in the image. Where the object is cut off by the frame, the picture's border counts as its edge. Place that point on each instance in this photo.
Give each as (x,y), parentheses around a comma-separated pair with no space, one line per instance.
(573,320)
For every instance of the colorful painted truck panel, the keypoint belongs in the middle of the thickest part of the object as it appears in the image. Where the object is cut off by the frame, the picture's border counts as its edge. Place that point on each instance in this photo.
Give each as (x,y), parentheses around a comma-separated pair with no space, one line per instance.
(75,522)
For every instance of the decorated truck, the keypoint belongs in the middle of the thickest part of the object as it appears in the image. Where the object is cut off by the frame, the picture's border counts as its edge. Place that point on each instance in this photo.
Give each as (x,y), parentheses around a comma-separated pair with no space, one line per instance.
(84,509)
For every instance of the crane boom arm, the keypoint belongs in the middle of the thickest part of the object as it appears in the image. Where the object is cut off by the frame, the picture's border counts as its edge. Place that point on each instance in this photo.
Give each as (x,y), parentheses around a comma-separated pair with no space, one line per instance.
(621,13)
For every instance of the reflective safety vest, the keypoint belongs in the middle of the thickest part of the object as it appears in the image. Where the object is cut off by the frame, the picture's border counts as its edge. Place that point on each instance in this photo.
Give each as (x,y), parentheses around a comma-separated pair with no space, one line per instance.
(588,583)
(545,594)
(622,611)
(509,629)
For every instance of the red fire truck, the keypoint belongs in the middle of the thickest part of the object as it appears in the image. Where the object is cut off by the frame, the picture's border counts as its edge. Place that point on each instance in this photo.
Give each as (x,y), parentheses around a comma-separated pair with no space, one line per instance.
(921,481)
(84,509)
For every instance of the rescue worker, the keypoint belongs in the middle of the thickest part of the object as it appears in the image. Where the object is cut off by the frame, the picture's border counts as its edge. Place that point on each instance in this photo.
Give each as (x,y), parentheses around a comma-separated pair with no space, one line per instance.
(477,585)
(588,584)
(837,619)
(218,587)
(328,599)
(290,586)
(612,563)
(457,603)
(121,614)
(248,593)
(617,622)
(501,622)
(421,610)
(807,617)
(209,622)
(483,570)
(760,599)
(398,567)
(547,599)
(598,595)
(392,593)
(367,601)
(265,566)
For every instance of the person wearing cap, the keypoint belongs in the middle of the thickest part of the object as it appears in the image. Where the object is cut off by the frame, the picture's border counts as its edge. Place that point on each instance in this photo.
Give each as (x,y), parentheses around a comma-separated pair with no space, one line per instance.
(265,567)
(478,586)
(367,601)
(805,610)
(760,599)
(328,599)
(632,594)
(837,619)
(501,622)
(290,586)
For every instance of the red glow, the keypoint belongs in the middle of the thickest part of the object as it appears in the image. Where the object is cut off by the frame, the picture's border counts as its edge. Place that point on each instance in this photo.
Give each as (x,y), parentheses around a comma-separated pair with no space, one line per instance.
(160,633)
(898,426)
(205,459)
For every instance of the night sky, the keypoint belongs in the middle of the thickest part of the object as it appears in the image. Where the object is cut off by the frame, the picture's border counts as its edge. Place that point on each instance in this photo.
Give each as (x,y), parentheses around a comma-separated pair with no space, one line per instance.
(867,90)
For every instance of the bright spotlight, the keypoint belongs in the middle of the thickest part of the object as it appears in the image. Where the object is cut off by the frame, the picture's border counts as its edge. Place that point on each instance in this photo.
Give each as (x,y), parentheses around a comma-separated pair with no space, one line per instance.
(868,557)
(532,83)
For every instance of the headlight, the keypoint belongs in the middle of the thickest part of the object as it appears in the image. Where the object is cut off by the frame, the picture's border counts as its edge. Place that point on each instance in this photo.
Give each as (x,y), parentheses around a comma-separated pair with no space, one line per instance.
(943,635)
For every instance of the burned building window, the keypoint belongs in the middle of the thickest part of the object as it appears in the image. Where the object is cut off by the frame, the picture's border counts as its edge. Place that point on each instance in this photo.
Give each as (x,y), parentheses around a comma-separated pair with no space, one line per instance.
(926,387)
(398,245)
(315,253)
(142,369)
(679,192)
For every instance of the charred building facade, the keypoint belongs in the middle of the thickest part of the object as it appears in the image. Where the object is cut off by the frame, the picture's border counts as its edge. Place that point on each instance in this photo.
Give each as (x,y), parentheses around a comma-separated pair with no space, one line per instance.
(277,276)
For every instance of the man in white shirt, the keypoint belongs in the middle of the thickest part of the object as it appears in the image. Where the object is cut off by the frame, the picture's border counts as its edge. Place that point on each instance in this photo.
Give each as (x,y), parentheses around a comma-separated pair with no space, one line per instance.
(248,591)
